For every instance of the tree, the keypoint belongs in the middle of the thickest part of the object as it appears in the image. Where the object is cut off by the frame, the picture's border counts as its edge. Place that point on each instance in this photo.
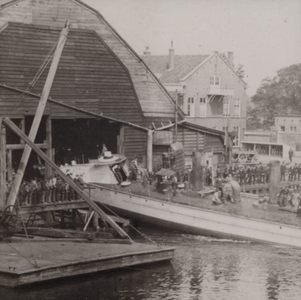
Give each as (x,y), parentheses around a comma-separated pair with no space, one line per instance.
(253,120)
(279,95)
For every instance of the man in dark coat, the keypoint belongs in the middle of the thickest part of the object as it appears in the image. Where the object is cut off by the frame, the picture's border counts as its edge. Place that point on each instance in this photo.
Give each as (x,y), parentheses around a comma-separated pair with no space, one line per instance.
(282,172)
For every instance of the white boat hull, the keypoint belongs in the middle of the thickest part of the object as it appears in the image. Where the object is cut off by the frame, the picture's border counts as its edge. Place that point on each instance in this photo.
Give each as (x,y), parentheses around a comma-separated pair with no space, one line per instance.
(196,220)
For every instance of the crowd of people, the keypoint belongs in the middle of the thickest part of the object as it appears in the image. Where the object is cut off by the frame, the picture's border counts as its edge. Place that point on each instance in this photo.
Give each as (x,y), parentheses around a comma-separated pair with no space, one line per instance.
(244,175)
(290,172)
(289,195)
(47,190)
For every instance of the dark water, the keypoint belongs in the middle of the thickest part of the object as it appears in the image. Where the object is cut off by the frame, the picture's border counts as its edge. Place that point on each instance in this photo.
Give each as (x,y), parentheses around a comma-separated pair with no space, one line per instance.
(201,269)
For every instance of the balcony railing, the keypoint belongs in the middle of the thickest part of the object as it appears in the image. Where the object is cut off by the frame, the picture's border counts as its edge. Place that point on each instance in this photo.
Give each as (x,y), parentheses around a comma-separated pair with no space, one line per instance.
(217,90)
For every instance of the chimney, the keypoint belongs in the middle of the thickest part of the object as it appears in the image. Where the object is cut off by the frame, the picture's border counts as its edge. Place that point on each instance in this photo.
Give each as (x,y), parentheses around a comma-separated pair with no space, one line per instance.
(171,60)
(146,51)
(230,59)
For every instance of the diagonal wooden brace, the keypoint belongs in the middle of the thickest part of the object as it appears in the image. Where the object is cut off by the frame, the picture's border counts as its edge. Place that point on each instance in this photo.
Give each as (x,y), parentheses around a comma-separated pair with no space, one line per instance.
(82,193)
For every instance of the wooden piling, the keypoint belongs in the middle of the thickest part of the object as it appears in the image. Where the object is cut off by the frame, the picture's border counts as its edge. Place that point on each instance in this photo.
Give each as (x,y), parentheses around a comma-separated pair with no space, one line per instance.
(197,171)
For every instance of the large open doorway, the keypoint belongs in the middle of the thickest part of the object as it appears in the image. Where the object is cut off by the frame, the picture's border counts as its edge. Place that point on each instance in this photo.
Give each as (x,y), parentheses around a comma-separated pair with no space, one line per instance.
(80,139)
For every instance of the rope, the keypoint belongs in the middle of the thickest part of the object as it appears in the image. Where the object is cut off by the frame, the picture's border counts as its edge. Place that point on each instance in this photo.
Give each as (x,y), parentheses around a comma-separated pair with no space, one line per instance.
(115,214)
(34,264)
(32,256)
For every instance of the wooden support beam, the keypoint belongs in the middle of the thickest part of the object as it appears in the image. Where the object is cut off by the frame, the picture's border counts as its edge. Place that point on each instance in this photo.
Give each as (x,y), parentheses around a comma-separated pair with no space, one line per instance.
(22,127)
(22,146)
(150,150)
(38,115)
(2,168)
(83,194)
(9,165)
(49,152)
(61,103)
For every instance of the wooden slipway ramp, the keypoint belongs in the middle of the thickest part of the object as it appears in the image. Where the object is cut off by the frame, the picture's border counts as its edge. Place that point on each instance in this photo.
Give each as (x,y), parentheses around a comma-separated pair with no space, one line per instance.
(60,258)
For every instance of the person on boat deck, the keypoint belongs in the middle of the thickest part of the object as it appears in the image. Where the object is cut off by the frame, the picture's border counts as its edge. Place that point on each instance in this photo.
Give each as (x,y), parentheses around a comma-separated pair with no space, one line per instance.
(227,191)
(217,197)
(209,176)
(283,196)
(218,182)
(133,169)
(104,149)
(218,173)
(226,172)
(295,199)
(232,170)
(116,171)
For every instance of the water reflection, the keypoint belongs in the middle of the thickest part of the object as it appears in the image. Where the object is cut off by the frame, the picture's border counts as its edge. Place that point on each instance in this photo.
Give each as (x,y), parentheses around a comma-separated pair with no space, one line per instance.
(201,269)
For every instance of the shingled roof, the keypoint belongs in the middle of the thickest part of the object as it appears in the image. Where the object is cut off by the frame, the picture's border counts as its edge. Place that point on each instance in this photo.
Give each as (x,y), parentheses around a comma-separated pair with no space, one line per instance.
(154,99)
(89,75)
(183,65)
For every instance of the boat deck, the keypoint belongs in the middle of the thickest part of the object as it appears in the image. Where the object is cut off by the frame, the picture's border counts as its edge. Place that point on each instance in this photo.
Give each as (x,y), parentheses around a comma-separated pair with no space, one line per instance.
(48,259)
(248,207)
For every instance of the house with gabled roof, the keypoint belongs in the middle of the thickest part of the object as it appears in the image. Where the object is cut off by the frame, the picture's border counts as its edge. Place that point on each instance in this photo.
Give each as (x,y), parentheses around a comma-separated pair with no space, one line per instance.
(206,88)
(102,93)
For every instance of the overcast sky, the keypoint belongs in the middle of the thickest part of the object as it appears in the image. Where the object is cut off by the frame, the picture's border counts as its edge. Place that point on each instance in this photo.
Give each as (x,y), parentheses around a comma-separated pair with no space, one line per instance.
(265,35)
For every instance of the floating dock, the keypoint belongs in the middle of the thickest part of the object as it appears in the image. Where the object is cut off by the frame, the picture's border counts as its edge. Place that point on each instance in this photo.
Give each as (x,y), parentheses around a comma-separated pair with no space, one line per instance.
(49,259)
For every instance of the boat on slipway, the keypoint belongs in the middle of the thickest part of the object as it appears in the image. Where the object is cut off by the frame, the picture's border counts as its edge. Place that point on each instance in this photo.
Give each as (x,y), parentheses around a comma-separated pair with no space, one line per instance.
(186,210)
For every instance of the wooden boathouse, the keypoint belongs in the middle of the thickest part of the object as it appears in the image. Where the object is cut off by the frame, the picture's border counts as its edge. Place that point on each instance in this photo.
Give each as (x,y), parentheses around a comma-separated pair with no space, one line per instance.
(103,93)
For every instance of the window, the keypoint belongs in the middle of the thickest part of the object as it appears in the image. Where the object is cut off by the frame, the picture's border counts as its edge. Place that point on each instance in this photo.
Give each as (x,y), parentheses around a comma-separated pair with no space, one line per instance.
(225,128)
(298,147)
(235,139)
(236,107)
(214,80)
(226,107)
(293,129)
(190,107)
(203,107)
(282,128)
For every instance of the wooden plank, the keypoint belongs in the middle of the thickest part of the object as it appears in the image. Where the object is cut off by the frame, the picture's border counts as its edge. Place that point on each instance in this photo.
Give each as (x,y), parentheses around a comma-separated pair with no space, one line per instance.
(54,206)
(22,146)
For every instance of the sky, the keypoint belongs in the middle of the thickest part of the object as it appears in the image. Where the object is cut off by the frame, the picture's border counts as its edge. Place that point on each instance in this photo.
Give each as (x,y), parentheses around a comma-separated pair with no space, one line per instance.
(264,35)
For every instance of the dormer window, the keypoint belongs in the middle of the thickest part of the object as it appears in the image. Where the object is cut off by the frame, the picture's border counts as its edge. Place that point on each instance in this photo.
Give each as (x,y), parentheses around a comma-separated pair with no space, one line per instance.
(214,80)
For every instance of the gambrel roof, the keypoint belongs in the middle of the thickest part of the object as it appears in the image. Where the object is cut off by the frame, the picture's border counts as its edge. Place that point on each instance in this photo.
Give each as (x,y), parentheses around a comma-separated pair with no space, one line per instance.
(152,95)
(89,74)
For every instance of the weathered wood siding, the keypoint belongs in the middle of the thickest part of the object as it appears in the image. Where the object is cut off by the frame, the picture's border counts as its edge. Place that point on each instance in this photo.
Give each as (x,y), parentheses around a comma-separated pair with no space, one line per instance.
(152,97)
(213,142)
(89,75)
(191,140)
(135,143)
